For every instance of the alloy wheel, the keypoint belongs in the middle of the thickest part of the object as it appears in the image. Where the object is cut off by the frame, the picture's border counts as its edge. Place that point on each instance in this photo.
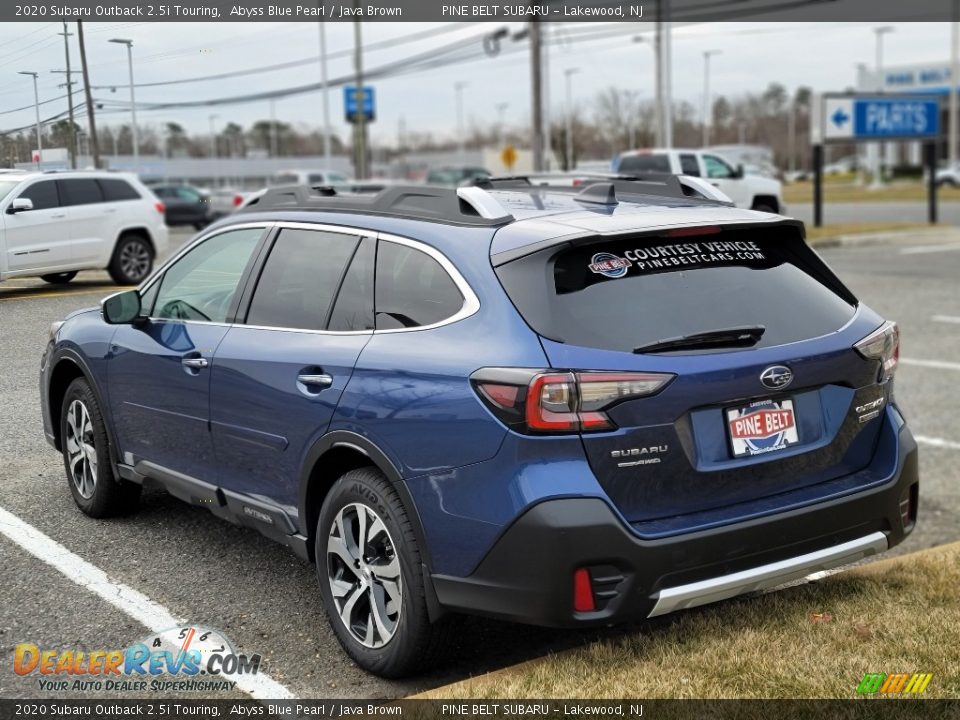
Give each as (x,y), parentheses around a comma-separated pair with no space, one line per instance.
(81,449)
(364,575)
(135,260)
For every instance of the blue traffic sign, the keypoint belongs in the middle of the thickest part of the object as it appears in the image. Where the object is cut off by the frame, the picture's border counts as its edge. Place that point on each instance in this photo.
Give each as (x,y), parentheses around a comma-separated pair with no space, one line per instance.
(350,103)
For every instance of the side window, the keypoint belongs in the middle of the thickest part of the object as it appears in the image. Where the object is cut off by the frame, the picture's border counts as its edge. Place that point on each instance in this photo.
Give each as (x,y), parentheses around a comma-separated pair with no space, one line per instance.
(300,279)
(716,168)
(412,289)
(114,190)
(188,194)
(354,307)
(81,191)
(689,166)
(202,283)
(43,194)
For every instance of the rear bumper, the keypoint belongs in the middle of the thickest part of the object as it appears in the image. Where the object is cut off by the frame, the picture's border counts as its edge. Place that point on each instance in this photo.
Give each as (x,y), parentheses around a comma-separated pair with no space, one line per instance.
(528,574)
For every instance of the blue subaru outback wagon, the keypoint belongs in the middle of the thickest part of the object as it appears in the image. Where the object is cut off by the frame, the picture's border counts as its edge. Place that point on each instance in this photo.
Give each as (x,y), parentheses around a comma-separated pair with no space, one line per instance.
(553,405)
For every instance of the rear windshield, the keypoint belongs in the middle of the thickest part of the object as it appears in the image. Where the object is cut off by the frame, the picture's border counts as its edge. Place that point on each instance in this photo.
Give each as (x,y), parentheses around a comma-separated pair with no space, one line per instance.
(620,294)
(644,163)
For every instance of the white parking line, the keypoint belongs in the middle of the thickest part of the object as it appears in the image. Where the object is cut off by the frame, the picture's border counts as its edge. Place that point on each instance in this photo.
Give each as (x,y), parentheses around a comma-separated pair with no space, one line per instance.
(923,249)
(936,364)
(135,604)
(946,319)
(937,442)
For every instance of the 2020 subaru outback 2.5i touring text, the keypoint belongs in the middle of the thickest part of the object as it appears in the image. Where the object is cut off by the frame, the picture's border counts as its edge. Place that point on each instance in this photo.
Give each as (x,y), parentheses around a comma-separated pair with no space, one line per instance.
(559,406)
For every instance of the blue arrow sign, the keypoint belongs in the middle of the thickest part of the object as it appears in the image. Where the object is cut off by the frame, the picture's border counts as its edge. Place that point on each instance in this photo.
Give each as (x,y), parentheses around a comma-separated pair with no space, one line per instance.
(894,118)
(352,99)
(839,118)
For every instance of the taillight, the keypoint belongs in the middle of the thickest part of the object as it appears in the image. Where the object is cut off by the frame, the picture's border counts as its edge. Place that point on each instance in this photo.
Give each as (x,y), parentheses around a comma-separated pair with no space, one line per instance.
(237,200)
(882,345)
(161,208)
(535,401)
(583,591)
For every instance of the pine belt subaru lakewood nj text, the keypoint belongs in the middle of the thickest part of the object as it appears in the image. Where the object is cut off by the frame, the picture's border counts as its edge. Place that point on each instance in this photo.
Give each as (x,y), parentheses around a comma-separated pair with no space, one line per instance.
(553,405)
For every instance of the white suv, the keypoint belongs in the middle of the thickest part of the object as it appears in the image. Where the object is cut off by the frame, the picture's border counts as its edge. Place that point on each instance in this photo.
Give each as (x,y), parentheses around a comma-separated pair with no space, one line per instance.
(751,192)
(53,225)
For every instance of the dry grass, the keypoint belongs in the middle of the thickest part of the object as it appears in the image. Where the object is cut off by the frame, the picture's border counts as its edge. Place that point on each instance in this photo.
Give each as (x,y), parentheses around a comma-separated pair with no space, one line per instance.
(900,615)
(866,228)
(802,192)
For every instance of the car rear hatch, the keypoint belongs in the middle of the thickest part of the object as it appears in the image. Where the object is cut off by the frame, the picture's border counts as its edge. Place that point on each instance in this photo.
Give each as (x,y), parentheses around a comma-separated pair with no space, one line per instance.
(762,415)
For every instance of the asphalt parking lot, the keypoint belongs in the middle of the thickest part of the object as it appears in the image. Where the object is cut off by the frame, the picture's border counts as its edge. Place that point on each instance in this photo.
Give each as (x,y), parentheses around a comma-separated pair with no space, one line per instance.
(206,571)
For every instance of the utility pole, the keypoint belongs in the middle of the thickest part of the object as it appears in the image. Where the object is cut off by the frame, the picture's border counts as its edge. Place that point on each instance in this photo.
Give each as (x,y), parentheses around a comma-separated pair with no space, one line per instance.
(36,107)
(214,155)
(666,67)
(458,90)
(792,136)
(545,94)
(536,96)
(73,126)
(133,104)
(360,129)
(954,81)
(326,93)
(569,73)
(94,145)
(707,54)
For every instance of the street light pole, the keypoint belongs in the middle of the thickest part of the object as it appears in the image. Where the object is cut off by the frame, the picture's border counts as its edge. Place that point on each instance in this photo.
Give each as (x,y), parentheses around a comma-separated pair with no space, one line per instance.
(36,107)
(326,94)
(707,54)
(878,147)
(133,102)
(569,73)
(458,89)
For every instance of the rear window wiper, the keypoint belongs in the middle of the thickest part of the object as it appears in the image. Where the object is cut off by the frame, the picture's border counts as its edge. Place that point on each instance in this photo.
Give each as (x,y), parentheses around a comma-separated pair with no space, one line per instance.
(746,336)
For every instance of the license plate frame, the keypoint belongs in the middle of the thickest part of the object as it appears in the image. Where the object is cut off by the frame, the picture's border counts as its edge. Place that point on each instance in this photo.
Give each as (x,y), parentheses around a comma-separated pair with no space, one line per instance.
(761,427)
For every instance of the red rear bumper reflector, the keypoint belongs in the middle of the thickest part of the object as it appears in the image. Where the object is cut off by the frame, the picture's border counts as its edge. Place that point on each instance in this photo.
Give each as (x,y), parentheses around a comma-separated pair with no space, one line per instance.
(582,591)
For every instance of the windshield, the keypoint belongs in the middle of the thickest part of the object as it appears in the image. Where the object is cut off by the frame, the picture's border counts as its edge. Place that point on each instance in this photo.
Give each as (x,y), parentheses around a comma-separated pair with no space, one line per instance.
(6,186)
(644,163)
(623,294)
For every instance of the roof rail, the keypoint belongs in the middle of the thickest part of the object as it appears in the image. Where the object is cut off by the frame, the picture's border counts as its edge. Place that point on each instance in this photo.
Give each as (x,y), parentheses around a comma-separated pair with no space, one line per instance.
(658,184)
(417,202)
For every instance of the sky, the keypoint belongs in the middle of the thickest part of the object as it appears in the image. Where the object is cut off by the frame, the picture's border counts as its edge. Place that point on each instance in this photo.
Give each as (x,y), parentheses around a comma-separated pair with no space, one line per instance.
(821,55)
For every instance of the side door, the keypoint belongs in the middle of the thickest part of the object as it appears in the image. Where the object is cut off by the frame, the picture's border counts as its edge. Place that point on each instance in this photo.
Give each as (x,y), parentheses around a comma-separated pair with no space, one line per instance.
(279,374)
(94,223)
(719,173)
(159,367)
(39,238)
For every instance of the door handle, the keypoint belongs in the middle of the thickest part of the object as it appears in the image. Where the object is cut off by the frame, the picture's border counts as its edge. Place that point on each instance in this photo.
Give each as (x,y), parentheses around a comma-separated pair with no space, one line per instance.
(110,210)
(317,381)
(58,217)
(196,363)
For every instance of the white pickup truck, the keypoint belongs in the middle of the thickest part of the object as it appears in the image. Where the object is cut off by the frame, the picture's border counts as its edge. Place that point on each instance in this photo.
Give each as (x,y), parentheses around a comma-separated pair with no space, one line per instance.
(751,192)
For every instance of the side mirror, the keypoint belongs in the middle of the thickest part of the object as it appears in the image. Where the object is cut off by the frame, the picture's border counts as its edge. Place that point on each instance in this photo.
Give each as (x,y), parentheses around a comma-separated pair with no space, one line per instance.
(740,172)
(20,204)
(121,308)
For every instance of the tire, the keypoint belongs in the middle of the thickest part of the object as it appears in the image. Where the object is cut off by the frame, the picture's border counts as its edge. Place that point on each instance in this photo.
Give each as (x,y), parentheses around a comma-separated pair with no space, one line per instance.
(59,278)
(87,463)
(132,260)
(764,207)
(200,225)
(411,643)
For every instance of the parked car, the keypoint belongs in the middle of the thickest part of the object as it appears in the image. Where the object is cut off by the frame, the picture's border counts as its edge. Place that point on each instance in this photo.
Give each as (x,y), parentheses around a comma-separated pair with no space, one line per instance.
(310,177)
(842,166)
(948,176)
(456,176)
(185,205)
(747,191)
(52,225)
(553,405)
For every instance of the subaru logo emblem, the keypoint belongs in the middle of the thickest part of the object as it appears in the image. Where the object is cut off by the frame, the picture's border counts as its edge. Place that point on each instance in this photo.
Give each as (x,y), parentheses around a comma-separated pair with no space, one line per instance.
(776,377)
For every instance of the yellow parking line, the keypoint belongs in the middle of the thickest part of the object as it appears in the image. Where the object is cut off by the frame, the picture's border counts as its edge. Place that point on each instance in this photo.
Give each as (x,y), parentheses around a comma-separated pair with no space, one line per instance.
(91,291)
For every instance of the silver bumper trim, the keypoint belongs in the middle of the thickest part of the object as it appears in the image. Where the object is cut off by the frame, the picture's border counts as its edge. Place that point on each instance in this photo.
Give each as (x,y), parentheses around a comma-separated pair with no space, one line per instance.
(766,576)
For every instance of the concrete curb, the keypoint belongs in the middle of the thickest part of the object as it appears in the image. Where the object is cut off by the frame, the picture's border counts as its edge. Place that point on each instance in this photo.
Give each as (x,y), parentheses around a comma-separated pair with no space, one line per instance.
(936,234)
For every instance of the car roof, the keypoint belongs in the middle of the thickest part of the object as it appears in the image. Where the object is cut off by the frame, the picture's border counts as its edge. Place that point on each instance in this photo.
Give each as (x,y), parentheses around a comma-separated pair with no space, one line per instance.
(503,220)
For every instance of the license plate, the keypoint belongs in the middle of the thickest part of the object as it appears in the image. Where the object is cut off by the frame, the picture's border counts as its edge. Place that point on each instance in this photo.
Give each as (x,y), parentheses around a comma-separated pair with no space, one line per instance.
(761,427)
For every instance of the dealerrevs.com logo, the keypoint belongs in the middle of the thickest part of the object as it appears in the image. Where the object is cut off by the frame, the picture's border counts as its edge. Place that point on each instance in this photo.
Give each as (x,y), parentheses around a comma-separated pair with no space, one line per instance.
(894,683)
(184,658)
